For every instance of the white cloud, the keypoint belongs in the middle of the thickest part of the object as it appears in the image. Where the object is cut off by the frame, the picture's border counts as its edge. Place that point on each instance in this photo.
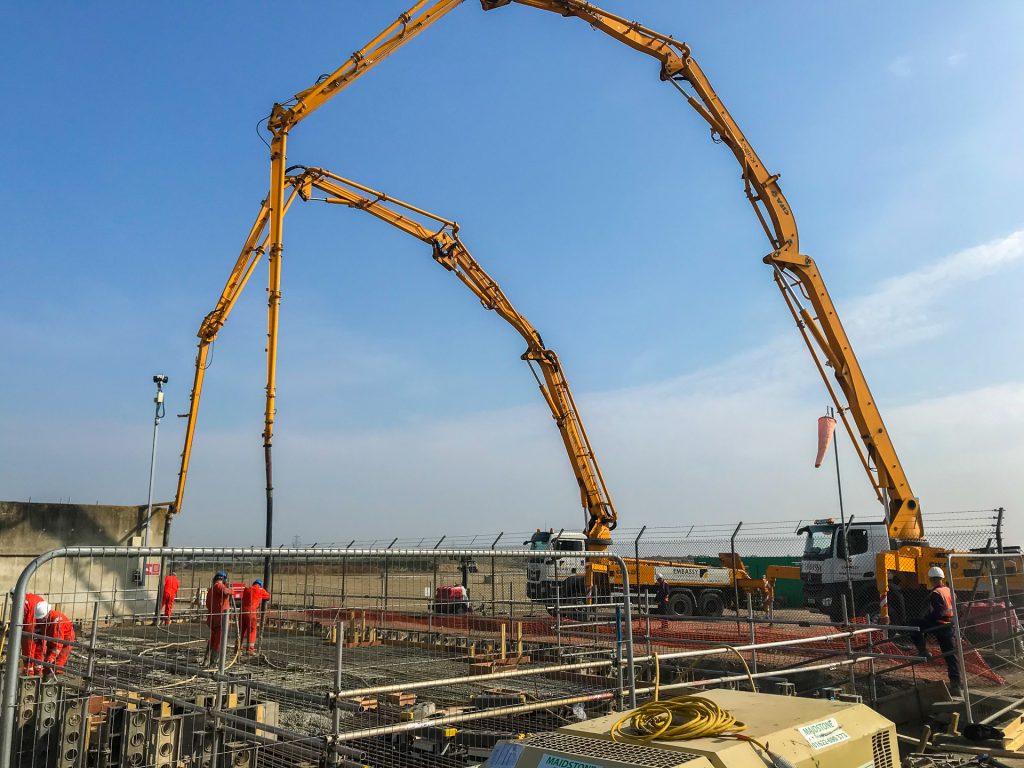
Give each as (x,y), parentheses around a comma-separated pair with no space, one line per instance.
(901,310)
(955,59)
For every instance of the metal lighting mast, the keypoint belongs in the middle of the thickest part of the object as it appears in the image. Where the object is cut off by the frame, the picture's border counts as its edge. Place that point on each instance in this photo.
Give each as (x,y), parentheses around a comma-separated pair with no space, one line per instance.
(160,379)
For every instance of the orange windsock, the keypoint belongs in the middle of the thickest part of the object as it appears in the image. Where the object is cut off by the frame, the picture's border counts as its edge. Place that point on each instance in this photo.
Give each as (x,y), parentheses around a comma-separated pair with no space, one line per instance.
(826,426)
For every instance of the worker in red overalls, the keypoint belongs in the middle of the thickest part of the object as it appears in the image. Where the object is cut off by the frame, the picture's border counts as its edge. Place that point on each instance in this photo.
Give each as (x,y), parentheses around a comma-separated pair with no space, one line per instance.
(171,586)
(252,597)
(59,632)
(31,648)
(218,601)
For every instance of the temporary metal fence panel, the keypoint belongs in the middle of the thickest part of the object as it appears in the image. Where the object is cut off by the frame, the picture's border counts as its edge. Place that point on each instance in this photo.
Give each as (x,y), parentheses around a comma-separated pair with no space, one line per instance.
(989,639)
(372,657)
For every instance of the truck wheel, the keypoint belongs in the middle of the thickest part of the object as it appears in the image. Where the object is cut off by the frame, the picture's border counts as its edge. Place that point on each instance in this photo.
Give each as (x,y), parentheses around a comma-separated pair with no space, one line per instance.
(682,603)
(711,603)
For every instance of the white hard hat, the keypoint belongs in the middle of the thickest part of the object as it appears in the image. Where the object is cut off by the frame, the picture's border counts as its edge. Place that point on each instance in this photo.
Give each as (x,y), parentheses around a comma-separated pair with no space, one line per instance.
(659,577)
(936,573)
(42,610)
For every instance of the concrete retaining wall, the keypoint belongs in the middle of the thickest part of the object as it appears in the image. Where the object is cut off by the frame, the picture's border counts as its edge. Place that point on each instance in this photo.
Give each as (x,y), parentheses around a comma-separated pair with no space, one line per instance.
(29,529)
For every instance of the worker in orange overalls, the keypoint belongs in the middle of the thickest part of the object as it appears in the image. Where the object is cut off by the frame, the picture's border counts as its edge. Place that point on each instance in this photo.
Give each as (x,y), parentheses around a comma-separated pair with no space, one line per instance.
(252,597)
(171,586)
(218,601)
(59,632)
(31,647)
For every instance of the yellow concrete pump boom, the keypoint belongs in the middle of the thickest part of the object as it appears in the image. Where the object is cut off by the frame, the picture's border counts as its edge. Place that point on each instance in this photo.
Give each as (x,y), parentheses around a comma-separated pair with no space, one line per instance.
(282,119)
(252,251)
(796,274)
(451,253)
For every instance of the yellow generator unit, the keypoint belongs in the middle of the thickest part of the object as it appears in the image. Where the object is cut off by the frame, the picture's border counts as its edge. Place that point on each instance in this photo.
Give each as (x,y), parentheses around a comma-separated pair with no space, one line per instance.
(797,732)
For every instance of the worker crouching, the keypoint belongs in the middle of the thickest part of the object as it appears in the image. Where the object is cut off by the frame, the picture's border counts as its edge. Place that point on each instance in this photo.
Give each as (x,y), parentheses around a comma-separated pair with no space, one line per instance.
(31,647)
(59,633)
(938,622)
(252,598)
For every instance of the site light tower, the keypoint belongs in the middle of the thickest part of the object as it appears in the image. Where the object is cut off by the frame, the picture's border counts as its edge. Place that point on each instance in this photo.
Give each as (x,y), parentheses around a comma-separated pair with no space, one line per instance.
(158,413)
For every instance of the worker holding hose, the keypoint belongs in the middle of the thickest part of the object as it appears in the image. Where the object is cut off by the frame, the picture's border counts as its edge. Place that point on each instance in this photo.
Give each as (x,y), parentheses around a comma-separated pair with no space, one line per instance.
(252,598)
(218,602)
(59,633)
(171,586)
(31,648)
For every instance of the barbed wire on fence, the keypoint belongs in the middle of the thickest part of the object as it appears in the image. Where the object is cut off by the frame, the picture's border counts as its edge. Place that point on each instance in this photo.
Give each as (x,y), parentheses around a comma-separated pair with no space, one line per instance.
(940,524)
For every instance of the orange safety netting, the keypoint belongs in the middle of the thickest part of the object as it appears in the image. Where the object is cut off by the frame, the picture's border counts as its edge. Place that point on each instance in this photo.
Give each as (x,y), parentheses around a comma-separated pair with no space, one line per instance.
(665,636)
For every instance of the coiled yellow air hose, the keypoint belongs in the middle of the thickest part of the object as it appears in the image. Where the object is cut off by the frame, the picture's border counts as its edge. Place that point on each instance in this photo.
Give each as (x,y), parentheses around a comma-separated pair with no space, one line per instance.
(685,717)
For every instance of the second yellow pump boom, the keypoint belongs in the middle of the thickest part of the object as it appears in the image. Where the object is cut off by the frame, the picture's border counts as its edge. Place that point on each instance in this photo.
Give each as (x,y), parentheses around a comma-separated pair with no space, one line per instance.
(450,252)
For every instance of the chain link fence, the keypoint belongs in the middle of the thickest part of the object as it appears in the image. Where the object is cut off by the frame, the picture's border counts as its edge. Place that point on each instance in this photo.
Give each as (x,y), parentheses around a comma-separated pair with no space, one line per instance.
(988,641)
(758,545)
(427,656)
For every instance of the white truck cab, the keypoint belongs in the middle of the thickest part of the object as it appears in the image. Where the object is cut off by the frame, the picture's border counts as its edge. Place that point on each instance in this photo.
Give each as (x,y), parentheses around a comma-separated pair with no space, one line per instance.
(558,558)
(829,553)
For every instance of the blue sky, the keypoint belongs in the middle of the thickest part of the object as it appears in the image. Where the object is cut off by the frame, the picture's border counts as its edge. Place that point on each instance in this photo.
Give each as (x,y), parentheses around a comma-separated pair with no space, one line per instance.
(586,187)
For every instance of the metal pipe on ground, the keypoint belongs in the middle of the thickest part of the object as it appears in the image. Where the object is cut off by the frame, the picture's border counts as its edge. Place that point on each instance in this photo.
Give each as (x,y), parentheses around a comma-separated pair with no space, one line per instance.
(773,673)
(939,741)
(995,716)
(788,622)
(758,646)
(471,716)
(293,751)
(409,686)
